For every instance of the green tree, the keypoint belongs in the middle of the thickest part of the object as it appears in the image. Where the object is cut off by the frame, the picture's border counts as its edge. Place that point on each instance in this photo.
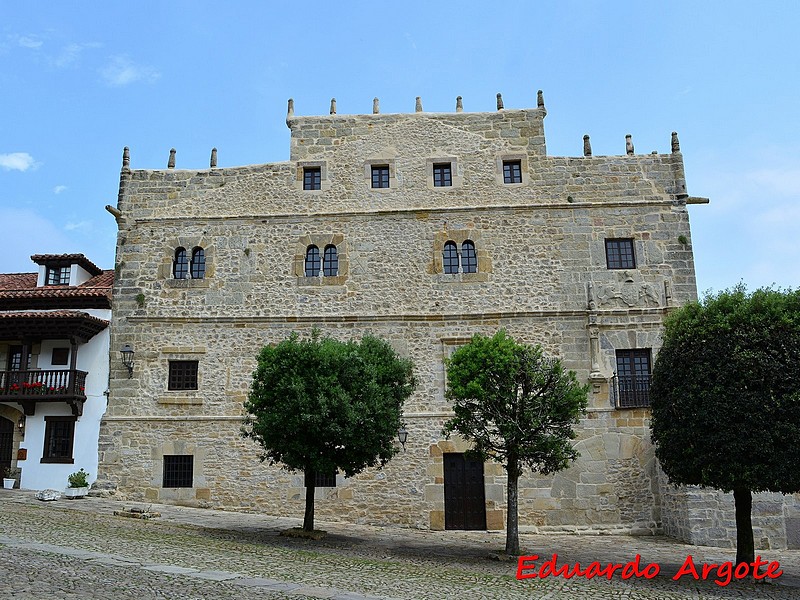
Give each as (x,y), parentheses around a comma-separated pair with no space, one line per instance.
(319,405)
(726,398)
(517,407)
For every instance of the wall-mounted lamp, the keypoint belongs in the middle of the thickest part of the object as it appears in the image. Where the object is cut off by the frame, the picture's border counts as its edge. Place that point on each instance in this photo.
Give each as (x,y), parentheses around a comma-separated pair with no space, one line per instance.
(21,425)
(402,435)
(127,358)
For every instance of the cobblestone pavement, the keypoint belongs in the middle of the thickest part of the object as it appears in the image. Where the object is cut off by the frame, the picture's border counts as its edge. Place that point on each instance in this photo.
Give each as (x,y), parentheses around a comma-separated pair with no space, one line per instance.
(79,549)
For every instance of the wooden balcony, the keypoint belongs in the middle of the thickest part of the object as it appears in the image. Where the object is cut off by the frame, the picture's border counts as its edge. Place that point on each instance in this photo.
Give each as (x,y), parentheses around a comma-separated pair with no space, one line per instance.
(31,387)
(631,391)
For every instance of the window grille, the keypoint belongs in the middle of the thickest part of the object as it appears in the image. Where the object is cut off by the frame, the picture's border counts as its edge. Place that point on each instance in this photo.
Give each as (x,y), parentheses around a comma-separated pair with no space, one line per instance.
(182,375)
(442,175)
(330,261)
(198,263)
(450,257)
(178,471)
(180,265)
(619,254)
(631,382)
(512,171)
(469,260)
(312,261)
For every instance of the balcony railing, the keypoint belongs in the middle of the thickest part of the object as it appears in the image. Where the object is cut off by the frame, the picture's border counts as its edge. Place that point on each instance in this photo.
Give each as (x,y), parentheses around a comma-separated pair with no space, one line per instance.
(631,391)
(30,387)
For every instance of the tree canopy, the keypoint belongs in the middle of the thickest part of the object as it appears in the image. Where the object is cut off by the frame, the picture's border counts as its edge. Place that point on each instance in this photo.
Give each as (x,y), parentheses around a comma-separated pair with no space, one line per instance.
(725,397)
(321,405)
(517,407)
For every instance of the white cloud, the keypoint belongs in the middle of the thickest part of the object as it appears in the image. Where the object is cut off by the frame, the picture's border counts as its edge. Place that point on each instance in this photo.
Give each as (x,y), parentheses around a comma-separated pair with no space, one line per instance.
(17,161)
(71,53)
(59,188)
(122,71)
(29,41)
(81,227)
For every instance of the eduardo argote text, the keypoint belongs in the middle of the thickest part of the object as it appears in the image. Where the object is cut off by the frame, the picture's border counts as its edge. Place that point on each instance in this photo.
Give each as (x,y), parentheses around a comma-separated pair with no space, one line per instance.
(722,573)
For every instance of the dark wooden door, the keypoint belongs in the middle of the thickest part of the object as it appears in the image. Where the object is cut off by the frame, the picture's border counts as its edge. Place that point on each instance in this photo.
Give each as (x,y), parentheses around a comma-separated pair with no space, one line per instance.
(6,443)
(464,497)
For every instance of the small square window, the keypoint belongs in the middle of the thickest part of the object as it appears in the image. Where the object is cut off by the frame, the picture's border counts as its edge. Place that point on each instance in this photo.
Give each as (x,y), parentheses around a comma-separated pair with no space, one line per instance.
(57,276)
(323,479)
(512,171)
(619,254)
(182,375)
(178,471)
(60,356)
(380,176)
(442,175)
(59,434)
(312,178)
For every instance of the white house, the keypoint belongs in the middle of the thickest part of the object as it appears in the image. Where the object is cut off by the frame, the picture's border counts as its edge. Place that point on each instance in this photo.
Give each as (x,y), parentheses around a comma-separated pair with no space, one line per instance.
(54,349)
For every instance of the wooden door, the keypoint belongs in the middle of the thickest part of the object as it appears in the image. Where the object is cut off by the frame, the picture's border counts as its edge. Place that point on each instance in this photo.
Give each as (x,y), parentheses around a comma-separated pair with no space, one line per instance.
(6,443)
(464,497)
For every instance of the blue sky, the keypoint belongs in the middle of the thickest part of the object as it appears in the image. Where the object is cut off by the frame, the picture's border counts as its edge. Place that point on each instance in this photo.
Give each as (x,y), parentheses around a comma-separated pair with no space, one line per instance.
(82,80)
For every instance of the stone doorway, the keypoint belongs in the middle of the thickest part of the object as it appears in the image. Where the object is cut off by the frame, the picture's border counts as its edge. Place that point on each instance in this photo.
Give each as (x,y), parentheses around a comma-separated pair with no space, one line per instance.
(464,493)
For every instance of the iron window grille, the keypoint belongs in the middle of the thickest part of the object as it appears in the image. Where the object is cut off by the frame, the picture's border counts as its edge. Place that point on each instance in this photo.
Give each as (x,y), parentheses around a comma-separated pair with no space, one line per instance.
(380,176)
(198,263)
(450,258)
(312,262)
(59,435)
(469,260)
(619,254)
(180,264)
(178,471)
(312,178)
(182,375)
(631,382)
(512,171)
(330,261)
(442,175)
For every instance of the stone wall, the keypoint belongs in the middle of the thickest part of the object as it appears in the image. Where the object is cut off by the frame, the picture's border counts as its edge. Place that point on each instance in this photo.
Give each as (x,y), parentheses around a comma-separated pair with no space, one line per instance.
(542,275)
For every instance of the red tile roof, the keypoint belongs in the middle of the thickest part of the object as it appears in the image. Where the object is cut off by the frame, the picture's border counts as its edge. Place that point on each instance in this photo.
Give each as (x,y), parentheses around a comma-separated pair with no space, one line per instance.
(19,291)
(67,259)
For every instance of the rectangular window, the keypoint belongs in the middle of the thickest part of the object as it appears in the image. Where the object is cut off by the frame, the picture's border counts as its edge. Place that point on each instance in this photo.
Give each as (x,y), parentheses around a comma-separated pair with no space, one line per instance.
(57,276)
(182,375)
(60,356)
(312,178)
(178,471)
(512,171)
(380,176)
(619,254)
(59,434)
(442,176)
(323,479)
(633,378)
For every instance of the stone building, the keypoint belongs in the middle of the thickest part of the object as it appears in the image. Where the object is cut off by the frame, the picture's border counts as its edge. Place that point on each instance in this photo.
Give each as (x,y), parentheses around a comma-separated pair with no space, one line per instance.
(54,339)
(422,229)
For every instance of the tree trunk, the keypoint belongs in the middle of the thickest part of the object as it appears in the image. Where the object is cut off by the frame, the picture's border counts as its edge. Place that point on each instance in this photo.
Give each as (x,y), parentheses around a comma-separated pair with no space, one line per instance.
(512,525)
(308,519)
(745,548)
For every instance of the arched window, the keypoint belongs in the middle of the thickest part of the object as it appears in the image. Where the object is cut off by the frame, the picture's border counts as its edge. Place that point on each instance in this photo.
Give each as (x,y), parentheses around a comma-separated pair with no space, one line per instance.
(330,261)
(198,263)
(180,266)
(469,260)
(450,256)
(312,261)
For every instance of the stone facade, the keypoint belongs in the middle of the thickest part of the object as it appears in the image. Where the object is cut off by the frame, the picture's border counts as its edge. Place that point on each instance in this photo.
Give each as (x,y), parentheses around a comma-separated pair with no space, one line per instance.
(541,272)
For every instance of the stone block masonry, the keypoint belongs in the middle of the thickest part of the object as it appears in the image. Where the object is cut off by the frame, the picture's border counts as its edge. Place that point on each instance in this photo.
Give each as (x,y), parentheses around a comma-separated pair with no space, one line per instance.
(517,240)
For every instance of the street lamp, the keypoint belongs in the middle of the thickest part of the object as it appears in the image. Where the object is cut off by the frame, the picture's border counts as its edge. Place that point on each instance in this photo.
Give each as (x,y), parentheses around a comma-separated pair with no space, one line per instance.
(402,435)
(127,358)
